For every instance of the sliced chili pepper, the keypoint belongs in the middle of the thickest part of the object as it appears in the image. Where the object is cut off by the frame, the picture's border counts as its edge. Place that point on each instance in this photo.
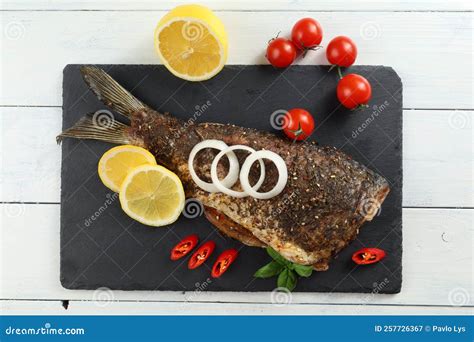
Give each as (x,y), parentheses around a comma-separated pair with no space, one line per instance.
(184,247)
(366,256)
(201,255)
(223,262)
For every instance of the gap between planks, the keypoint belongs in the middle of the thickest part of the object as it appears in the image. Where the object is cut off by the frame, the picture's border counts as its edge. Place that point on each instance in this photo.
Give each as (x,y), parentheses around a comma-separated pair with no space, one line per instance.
(239,10)
(407,109)
(229,302)
(404,207)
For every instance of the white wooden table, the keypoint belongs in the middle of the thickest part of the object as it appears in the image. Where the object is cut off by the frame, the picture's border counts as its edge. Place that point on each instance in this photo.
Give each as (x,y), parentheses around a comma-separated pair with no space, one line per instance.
(429,43)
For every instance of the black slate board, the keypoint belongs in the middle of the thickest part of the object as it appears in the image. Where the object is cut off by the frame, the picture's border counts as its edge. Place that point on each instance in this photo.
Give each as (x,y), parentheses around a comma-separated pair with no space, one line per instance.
(114,251)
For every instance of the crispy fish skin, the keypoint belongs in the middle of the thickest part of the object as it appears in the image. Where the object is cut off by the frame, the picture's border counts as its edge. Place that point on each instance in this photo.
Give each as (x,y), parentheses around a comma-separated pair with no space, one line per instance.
(327,198)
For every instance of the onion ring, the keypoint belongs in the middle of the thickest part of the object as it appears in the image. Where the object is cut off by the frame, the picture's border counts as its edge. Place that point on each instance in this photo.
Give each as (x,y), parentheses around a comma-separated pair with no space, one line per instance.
(282,174)
(216,181)
(231,177)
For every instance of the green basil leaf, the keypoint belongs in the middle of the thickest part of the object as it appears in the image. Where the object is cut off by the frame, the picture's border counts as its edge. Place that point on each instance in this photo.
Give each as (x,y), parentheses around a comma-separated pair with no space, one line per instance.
(287,278)
(303,270)
(277,257)
(269,270)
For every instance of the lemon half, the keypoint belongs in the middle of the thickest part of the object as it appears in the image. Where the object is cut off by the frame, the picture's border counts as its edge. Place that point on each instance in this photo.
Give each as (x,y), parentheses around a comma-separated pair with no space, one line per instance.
(192,42)
(152,195)
(118,161)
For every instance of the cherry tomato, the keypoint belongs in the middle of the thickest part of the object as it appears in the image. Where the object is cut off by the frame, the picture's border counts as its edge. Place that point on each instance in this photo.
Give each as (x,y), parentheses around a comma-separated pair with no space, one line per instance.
(306,33)
(366,256)
(281,52)
(354,91)
(184,247)
(341,51)
(298,124)
(223,262)
(201,255)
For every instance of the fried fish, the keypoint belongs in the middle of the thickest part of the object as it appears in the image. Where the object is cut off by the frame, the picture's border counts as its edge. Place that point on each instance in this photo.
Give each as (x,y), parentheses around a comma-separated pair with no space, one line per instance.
(327,198)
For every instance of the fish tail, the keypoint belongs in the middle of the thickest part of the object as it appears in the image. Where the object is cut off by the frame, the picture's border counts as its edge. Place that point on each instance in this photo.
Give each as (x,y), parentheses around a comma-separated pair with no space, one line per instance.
(93,127)
(110,92)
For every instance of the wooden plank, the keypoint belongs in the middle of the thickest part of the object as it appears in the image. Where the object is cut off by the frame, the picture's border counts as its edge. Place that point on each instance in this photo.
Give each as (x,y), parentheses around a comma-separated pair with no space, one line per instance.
(429,162)
(436,263)
(35,176)
(438,158)
(415,44)
(15,307)
(278,5)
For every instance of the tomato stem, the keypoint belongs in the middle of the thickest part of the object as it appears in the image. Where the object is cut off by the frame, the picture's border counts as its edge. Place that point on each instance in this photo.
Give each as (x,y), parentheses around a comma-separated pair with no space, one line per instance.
(360,106)
(339,72)
(274,38)
(306,49)
(297,132)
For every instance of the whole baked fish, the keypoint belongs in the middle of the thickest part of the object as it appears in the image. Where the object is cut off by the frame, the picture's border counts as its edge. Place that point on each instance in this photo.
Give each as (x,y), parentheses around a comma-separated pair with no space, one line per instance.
(327,198)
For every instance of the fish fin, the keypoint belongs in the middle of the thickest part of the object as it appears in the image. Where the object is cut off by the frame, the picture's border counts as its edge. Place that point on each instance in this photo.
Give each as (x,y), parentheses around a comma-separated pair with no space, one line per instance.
(110,92)
(88,127)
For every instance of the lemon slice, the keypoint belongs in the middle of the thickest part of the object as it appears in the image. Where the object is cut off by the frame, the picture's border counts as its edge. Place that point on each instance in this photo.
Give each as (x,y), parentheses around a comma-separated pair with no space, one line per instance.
(152,195)
(192,42)
(117,162)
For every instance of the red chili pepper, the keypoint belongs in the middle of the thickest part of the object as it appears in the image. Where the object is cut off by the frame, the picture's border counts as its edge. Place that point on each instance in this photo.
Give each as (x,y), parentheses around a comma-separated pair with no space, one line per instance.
(201,255)
(184,247)
(366,256)
(223,262)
